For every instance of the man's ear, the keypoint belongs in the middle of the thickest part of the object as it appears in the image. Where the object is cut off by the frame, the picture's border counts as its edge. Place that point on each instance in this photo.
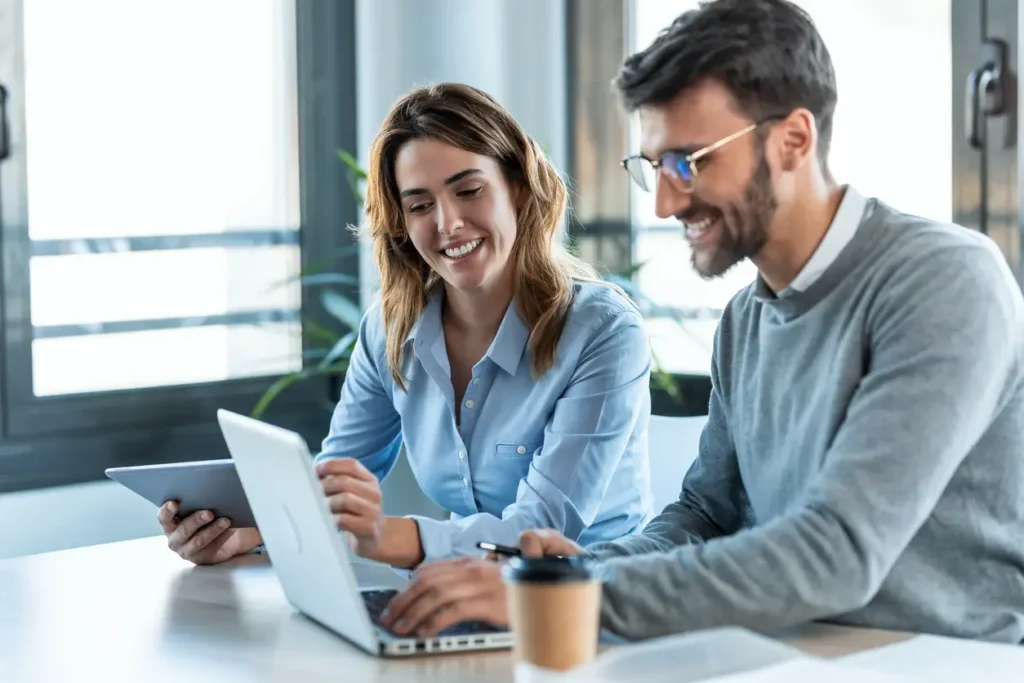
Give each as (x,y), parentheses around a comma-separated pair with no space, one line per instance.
(799,139)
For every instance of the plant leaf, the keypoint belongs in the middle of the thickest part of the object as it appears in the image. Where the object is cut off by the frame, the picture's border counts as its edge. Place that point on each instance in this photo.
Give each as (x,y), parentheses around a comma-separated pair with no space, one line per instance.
(632,270)
(314,331)
(663,379)
(283,383)
(353,164)
(355,175)
(342,308)
(341,348)
(320,267)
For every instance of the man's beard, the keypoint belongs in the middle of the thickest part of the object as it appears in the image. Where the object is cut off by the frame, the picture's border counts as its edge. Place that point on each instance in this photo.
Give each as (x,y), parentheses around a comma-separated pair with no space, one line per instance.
(744,228)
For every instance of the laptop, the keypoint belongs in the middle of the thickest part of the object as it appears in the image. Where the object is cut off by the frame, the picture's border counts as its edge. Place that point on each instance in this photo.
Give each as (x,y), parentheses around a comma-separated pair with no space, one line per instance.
(310,556)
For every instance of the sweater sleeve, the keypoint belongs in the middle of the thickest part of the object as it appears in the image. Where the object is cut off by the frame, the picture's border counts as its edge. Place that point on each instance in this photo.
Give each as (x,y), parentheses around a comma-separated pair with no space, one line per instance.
(945,335)
(712,502)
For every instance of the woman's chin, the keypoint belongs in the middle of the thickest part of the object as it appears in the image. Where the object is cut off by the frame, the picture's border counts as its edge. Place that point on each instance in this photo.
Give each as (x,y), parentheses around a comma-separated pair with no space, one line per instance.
(468,276)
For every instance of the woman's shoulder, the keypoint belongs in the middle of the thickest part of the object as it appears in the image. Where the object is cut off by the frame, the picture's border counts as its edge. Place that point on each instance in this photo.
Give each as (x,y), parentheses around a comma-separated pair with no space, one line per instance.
(598,304)
(371,327)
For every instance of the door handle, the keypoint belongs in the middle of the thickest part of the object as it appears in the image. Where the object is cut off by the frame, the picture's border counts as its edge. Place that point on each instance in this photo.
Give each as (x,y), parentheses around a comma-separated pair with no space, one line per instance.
(986,90)
(5,129)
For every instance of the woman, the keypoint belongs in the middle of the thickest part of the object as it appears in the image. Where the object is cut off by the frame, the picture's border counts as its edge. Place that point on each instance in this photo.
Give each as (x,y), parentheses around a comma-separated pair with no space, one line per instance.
(516,379)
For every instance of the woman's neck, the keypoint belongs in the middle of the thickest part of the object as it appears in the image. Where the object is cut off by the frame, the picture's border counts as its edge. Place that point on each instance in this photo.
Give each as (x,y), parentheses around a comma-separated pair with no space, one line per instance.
(476,314)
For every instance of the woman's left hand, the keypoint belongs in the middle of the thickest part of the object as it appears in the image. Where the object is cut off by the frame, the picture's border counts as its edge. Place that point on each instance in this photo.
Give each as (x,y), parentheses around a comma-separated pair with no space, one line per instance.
(445,593)
(355,500)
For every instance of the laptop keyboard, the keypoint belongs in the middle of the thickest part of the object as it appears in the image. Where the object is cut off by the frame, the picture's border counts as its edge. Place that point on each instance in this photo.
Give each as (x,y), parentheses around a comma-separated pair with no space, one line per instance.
(376,601)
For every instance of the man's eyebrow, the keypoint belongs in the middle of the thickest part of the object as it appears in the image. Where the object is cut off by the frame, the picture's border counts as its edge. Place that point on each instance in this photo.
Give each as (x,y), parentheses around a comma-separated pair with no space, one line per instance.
(448,181)
(676,149)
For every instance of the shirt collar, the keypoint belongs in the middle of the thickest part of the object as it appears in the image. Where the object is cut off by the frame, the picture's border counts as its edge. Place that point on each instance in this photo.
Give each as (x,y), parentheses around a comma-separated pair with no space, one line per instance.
(507,348)
(840,231)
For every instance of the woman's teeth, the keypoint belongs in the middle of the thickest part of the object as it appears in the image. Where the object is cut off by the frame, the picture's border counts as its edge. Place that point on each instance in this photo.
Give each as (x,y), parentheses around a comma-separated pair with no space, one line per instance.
(459,252)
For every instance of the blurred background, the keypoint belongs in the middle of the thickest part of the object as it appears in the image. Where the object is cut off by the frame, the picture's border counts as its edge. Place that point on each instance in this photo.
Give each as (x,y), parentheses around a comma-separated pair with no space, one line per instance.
(176,180)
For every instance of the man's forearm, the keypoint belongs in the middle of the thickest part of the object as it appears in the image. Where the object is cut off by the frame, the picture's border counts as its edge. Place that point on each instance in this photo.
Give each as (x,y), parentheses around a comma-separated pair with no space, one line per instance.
(795,570)
(681,523)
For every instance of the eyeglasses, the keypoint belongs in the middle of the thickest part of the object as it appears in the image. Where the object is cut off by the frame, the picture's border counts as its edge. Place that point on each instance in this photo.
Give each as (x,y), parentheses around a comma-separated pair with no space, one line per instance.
(680,166)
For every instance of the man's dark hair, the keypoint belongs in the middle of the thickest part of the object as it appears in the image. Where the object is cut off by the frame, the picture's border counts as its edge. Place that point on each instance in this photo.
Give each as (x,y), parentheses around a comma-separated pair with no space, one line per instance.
(767,53)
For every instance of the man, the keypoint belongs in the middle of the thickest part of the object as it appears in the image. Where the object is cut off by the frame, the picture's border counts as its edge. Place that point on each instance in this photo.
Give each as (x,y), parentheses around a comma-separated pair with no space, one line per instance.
(863,460)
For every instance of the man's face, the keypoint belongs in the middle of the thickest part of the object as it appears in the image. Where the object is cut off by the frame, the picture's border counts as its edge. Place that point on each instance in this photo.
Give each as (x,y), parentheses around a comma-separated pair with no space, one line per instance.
(728,209)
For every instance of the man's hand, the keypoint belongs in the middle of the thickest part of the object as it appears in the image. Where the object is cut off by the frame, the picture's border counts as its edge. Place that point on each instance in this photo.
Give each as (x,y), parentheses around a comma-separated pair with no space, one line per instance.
(202,540)
(445,593)
(544,542)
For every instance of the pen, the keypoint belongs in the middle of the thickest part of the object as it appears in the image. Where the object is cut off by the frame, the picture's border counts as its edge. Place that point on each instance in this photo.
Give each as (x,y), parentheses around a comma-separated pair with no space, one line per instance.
(497,549)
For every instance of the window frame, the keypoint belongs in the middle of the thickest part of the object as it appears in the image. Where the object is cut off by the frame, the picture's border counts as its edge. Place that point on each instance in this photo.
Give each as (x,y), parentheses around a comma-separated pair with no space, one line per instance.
(46,441)
(601,225)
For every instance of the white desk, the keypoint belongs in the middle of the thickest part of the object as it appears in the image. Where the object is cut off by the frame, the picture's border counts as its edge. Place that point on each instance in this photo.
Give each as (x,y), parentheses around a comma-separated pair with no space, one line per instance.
(134,611)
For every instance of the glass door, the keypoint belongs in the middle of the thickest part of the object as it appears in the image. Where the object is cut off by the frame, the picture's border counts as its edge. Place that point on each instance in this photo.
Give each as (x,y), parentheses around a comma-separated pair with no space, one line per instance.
(985,182)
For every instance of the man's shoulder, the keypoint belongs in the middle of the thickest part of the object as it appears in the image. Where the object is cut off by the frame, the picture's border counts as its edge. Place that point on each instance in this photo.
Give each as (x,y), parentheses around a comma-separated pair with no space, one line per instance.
(742,304)
(921,251)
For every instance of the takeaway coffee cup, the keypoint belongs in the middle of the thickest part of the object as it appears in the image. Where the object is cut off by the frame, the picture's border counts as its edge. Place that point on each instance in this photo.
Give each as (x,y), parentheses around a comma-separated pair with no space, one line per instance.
(554,610)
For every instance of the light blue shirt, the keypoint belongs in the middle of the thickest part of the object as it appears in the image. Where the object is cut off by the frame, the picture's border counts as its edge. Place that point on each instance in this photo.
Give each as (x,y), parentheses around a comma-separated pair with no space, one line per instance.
(566,450)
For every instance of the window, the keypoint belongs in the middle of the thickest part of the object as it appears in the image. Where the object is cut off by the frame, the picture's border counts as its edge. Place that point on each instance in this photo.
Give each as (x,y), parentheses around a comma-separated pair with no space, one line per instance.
(162,193)
(884,124)
(172,168)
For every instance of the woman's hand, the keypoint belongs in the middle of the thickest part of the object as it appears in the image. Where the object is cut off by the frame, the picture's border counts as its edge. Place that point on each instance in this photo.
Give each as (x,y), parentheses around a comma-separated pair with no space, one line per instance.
(355,501)
(202,540)
(353,494)
(445,593)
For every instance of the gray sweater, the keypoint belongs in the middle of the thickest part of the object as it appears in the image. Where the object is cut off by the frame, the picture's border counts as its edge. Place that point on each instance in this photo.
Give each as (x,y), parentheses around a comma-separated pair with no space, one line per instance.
(863,460)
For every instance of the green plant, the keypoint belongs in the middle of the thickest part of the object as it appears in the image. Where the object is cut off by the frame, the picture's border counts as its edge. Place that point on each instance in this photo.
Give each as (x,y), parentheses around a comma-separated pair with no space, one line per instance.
(332,347)
(331,344)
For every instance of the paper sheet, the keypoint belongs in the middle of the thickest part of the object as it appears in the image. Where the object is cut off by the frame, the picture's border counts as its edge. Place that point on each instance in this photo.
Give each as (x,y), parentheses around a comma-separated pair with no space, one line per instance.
(810,671)
(720,656)
(944,660)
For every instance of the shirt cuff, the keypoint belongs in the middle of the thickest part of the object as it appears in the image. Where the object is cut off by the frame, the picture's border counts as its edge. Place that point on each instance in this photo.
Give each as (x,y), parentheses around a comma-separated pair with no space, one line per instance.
(435,538)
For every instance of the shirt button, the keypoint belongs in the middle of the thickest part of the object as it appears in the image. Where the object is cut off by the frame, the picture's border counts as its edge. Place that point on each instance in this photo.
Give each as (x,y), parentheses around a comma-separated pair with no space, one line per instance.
(465,482)
(521,450)
(462,455)
(476,380)
(469,403)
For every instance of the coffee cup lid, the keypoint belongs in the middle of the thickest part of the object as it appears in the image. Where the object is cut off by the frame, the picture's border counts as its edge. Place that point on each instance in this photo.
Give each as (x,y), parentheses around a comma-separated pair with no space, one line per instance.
(547,569)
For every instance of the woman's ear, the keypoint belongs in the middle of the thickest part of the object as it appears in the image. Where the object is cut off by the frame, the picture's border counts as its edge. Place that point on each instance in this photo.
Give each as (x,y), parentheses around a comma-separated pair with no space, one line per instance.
(516,190)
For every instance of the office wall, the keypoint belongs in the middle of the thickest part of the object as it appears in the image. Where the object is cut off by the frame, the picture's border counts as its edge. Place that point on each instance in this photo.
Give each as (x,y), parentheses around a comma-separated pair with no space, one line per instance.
(63,517)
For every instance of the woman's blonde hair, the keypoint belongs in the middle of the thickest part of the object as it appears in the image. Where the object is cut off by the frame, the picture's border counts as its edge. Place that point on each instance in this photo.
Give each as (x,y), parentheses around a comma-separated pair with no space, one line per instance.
(543,271)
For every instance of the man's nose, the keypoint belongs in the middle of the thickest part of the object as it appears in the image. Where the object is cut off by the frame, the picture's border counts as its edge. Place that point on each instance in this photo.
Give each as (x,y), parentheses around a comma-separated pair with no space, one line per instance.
(669,200)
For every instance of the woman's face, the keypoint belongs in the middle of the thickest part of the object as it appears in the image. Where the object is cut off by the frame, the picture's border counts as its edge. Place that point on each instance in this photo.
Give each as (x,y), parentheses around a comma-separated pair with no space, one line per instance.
(459,210)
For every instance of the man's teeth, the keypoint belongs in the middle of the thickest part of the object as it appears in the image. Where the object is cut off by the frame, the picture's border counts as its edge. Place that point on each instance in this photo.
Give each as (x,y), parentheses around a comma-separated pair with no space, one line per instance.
(459,252)
(695,228)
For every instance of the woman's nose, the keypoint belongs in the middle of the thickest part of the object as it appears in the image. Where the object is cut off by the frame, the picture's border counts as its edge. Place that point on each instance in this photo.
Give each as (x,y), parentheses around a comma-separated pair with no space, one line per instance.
(448,220)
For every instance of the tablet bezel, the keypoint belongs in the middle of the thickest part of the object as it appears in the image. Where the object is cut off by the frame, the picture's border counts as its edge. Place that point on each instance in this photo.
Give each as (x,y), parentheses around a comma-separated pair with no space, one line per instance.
(199,485)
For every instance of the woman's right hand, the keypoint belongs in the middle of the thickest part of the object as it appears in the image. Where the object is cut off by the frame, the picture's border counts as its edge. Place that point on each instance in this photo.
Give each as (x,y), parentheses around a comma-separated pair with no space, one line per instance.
(201,539)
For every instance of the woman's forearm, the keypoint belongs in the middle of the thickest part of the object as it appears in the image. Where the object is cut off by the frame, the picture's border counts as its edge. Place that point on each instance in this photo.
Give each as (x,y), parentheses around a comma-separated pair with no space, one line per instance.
(399,544)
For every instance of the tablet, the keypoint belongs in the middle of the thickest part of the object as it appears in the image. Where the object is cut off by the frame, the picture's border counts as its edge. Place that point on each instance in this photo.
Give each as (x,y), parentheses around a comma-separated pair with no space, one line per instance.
(205,485)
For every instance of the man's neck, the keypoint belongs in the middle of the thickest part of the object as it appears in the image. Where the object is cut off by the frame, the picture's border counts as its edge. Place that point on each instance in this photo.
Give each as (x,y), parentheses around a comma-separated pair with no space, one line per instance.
(476,314)
(796,233)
